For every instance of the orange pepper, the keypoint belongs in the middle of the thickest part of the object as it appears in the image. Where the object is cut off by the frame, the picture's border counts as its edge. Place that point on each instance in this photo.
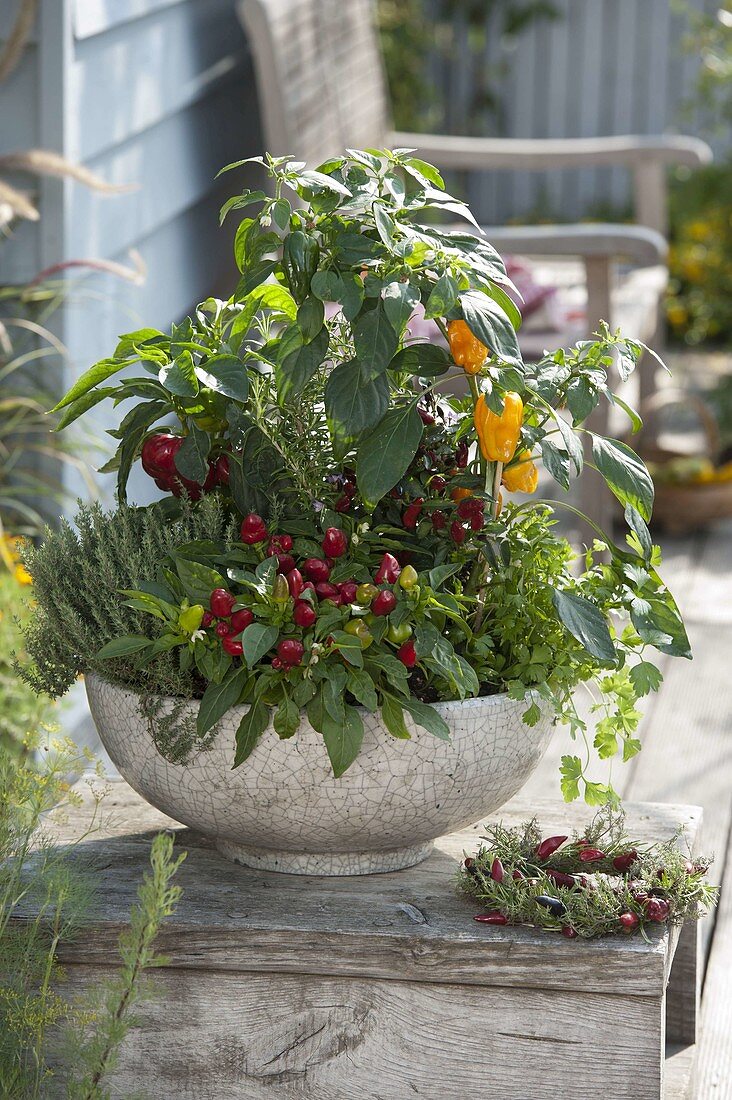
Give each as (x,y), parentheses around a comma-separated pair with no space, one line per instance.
(466,349)
(460,494)
(498,435)
(523,477)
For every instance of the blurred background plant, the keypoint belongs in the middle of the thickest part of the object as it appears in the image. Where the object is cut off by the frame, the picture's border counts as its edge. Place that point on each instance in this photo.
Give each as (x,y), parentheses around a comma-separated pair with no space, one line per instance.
(699,301)
(51,1045)
(413,32)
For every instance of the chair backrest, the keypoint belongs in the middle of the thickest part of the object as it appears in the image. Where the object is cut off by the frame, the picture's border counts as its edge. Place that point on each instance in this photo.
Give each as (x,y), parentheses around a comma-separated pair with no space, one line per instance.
(319,72)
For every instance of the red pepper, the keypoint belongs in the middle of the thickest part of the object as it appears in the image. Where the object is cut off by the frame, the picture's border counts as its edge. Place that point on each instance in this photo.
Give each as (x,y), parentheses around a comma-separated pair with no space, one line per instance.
(221,602)
(304,614)
(560,878)
(439,520)
(290,652)
(388,571)
(461,455)
(569,931)
(285,563)
(327,591)
(591,855)
(497,870)
(335,542)
(253,529)
(222,470)
(491,918)
(384,603)
(295,583)
(240,620)
(623,862)
(411,514)
(223,629)
(407,654)
(457,532)
(208,619)
(629,921)
(470,506)
(232,646)
(348,591)
(316,569)
(657,909)
(279,544)
(343,504)
(549,846)
(437,484)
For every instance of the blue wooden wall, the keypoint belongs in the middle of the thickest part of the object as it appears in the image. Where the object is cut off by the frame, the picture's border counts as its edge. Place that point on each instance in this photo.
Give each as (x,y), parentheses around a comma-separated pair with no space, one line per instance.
(157,94)
(154,93)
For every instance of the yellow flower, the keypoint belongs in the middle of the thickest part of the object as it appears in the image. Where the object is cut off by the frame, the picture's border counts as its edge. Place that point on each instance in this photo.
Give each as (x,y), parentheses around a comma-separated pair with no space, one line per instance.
(22,575)
(677,315)
(698,230)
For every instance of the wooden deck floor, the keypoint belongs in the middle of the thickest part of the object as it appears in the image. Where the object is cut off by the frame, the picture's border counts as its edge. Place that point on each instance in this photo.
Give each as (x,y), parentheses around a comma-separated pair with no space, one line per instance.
(687,758)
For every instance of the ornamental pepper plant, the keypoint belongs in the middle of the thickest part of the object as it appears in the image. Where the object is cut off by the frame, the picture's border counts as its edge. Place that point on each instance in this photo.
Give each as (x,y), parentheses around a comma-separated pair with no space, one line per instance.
(379,543)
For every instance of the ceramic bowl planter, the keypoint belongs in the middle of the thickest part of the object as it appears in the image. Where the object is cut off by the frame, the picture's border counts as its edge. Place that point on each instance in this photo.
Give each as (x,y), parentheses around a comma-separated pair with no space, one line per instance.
(283,810)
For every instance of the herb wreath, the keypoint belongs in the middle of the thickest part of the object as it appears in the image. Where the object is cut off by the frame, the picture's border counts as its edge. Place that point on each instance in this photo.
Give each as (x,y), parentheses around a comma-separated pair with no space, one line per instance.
(595,884)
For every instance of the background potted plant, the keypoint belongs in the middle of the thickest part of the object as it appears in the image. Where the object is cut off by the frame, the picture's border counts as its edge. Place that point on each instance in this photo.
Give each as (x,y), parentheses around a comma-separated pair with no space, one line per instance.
(333,596)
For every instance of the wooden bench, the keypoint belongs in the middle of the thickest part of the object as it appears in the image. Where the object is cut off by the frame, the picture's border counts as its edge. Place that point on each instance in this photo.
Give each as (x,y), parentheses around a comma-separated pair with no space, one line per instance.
(321,89)
(382,987)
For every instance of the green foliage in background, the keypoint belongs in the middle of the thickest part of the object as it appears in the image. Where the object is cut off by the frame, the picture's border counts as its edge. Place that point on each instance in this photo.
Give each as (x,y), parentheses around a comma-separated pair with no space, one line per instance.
(21,709)
(415,32)
(49,1046)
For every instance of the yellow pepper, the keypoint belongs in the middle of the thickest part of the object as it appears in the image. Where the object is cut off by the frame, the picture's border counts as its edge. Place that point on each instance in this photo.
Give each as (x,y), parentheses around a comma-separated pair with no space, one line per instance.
(523,477)
(499,435)
(466,349)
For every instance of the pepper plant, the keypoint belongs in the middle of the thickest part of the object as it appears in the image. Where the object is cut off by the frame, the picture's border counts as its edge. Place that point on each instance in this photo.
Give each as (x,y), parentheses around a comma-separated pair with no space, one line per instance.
(376,562)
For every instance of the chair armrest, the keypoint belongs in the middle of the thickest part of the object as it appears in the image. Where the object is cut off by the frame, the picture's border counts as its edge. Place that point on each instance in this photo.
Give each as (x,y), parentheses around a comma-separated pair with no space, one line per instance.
(537,154)
(644,247)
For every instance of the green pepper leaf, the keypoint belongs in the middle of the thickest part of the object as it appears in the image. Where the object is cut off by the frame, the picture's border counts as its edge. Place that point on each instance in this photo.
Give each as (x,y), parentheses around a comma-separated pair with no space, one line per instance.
(122,647)
(427,717)
(489,323)
(100,372)
(225,374)
(586,623)
(353,401)
(251,728)
(191,459)
(343,739)
(625,473)
(375,341)
(257,639)
(386,452)
(218,698)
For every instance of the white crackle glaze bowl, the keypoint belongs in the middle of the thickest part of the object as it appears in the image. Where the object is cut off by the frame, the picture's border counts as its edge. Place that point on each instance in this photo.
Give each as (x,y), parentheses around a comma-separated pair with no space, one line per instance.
(283,810)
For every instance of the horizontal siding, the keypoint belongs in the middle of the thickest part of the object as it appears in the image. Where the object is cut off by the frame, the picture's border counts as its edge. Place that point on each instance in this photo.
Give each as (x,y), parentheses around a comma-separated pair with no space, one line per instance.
(92,17)
(131,78)
(172,165)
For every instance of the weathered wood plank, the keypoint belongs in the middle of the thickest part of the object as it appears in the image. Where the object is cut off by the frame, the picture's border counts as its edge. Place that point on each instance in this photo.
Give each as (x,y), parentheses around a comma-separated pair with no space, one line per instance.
(232,918)
(288,1037)
(715,1047)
